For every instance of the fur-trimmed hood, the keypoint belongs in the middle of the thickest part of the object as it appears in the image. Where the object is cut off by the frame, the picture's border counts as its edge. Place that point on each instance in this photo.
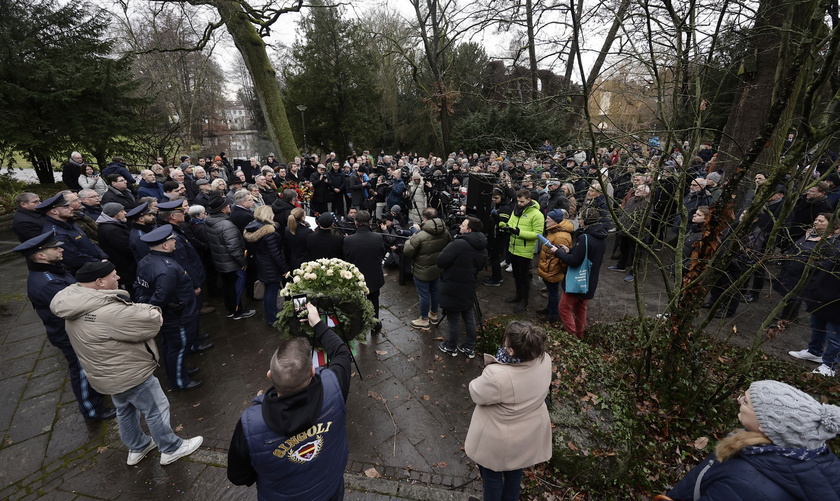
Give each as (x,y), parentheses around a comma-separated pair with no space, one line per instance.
(256,230)
(733,444)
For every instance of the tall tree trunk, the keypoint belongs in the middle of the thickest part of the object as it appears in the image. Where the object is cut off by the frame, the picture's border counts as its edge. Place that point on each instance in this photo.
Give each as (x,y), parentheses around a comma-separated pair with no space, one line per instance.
(42,163)
(573,50)
(251,46)
(776,37)
(532,50)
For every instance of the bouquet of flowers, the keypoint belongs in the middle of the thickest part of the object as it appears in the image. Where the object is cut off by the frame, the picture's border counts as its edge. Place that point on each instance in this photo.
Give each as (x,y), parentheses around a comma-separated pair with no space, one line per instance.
(337,288)
(305,191)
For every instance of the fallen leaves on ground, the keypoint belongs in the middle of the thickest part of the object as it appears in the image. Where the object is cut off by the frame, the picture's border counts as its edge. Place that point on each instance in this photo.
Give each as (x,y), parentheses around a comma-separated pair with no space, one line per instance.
(180,427)
(372,473)
(100,450)
(439,464)
(381,352)
(701,443)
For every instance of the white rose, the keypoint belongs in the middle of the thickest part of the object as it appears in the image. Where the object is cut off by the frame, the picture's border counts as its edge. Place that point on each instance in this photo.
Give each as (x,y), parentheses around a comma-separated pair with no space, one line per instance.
(329,273)
(346,274)
(296,280)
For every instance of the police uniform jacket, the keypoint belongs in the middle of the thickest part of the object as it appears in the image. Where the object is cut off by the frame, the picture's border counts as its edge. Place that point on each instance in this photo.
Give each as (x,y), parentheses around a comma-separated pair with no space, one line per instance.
(113,337)
(162,282)
(139,248)
(78,248)
(45,281)
(188,257)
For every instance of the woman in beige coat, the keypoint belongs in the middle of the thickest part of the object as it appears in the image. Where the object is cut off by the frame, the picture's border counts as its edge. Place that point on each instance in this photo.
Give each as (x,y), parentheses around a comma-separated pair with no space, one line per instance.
(510,428)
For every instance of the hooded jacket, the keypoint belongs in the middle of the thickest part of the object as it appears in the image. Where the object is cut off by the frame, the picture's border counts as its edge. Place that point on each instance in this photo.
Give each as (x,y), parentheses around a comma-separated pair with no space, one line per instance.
(280,416)
(424,247)
(265,245)
(766,476)
(530,222)
(112,336)
(551,268)
(460,262)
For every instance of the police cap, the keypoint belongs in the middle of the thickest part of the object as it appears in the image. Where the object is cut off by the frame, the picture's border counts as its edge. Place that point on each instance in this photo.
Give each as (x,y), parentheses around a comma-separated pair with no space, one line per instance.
(171,205)
(44,241)
(158,235)
(138,211)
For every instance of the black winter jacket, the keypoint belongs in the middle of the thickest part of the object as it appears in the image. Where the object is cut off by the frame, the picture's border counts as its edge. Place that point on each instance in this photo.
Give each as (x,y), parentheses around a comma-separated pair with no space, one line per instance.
(266,247)
(27,224)
(323,243)
(295,246)
(281,209)
(597,242)
(226,243)
(460,262)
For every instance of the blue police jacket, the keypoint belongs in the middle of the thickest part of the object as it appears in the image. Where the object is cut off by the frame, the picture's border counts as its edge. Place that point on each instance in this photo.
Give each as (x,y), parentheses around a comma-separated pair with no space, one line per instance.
(78,247)
(138,248)
(162,282)
(309,465)
(188,258)
(45,281)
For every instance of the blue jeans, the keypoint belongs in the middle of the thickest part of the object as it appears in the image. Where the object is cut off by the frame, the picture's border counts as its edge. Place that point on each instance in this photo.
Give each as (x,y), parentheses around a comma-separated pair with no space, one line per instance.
(146,398)
(455,328)
(429,294)
(825,340)
(270,302)
(553,307)
(500,485)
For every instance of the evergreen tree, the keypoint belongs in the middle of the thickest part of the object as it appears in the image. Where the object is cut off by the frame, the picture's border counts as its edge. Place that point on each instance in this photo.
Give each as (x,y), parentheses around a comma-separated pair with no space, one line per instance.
(60,86)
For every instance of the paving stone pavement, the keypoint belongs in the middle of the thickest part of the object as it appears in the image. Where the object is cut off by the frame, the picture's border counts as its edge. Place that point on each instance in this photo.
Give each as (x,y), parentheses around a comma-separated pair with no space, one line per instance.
(408,409)
(408,413)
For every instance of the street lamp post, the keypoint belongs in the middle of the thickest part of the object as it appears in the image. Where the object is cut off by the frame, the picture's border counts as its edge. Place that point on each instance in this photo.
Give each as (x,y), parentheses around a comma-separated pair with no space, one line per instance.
(302,108)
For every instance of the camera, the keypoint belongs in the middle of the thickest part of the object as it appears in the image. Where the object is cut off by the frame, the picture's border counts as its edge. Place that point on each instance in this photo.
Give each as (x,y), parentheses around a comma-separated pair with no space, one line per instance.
(299,304)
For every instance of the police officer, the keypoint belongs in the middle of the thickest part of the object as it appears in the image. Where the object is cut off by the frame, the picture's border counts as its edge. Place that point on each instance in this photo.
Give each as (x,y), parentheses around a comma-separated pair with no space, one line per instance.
(142,221)
(164,283)
(58,218)
(47,276)
(172,213)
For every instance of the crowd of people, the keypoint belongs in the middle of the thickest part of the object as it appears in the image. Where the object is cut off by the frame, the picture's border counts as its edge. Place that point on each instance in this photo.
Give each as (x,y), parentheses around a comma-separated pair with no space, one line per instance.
(178,234)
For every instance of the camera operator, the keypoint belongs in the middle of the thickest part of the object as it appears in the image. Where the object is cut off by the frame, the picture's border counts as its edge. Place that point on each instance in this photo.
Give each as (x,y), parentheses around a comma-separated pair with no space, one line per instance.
(266,446)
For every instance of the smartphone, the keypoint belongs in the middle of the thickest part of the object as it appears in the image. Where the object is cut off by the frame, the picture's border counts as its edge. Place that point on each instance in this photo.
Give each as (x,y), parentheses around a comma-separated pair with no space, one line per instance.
(299,303)
(543,239)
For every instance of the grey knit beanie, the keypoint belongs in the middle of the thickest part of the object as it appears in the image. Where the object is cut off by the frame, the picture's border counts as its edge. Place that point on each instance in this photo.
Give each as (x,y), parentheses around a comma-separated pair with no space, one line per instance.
(792,418)
(112,208)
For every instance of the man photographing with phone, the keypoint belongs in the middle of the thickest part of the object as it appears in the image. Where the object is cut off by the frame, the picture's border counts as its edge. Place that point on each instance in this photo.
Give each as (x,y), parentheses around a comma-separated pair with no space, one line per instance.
(292,441)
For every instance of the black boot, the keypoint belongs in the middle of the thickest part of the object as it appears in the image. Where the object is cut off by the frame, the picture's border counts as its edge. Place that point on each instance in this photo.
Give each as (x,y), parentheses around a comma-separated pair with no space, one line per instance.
(521,307)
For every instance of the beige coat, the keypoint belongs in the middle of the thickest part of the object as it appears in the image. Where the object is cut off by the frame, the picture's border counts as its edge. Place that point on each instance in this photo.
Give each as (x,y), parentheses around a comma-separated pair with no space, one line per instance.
(510,428)
(112,336)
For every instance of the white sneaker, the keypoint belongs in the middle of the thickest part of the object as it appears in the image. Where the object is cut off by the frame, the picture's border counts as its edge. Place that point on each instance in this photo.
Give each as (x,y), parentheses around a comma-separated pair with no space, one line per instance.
(805,355)
(824,370)
(187,447)
(503,264)
(509,268)
(136,457)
